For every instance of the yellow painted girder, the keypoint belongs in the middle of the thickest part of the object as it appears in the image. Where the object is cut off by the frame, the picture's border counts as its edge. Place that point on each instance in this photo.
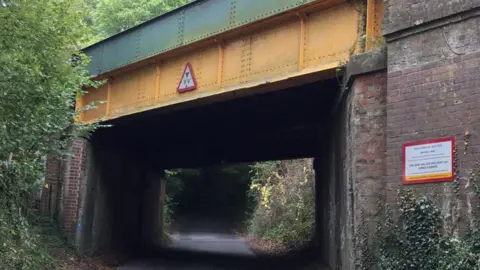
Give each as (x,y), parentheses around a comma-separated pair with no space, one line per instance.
(375,14)
(309,42)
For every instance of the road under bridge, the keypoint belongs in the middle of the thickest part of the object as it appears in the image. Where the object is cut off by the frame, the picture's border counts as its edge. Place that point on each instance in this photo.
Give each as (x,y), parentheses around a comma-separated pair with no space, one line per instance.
(224,81)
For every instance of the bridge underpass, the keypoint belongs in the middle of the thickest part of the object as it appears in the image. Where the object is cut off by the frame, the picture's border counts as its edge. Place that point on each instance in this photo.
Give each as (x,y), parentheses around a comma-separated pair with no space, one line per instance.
(126,170)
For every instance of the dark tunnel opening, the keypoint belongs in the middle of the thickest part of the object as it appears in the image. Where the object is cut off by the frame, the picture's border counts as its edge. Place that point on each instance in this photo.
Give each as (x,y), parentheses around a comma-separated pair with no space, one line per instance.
(217,193)
(281,125)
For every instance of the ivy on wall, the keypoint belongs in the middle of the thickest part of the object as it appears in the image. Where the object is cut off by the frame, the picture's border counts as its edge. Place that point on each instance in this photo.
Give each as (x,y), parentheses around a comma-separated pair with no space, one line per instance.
(416,240)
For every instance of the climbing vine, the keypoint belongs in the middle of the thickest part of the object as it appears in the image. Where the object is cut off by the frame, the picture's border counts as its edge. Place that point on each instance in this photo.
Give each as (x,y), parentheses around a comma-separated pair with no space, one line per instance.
(416,241)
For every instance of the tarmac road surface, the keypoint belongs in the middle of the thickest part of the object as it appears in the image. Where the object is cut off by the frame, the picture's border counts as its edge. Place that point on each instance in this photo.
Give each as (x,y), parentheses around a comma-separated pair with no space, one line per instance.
(205,244)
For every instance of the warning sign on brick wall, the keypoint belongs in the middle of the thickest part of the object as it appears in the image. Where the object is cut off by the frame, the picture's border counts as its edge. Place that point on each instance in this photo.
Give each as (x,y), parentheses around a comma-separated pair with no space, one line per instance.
(428,161)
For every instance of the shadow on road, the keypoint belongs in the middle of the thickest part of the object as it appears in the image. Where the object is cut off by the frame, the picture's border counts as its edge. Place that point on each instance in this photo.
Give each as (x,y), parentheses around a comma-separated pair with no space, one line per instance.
(210,245)
(182,259)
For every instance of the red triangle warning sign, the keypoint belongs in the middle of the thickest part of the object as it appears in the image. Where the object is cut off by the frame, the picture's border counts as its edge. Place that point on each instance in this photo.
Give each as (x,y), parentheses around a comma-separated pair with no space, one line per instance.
(187,82)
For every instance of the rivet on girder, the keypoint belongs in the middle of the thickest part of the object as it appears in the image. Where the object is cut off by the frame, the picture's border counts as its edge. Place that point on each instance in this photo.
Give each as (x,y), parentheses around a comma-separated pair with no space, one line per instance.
(232,12)
(181,28)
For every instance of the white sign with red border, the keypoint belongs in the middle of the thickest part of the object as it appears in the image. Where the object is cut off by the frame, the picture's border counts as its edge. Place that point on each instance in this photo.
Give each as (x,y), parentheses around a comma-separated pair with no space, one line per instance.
(428,161)
(188,81)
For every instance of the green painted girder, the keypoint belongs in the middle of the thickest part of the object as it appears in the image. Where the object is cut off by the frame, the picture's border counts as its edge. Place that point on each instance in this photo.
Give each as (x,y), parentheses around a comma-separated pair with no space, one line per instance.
(193,22)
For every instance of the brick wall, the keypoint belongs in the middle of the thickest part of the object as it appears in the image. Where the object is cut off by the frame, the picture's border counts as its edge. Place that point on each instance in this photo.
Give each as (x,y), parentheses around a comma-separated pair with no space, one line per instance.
(438,44)
(433,92)
(402,14)
(350,168)
(61,195)
(366,149)
(48,199)
(73,175)
(368,146)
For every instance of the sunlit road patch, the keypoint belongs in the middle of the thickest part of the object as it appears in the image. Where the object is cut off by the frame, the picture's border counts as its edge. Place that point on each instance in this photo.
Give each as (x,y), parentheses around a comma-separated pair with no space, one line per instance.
(210,242)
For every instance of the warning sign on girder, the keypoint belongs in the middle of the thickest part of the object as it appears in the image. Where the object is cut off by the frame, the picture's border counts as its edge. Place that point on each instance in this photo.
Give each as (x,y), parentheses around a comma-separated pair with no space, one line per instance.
(187,82)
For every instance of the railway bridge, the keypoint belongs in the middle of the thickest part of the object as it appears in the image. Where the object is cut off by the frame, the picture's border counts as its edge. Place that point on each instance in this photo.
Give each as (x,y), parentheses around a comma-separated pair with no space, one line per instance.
(346,82)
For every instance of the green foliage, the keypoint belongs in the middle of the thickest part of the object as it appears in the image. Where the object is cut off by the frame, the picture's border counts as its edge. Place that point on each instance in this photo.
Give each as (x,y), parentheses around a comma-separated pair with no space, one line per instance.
(168,213)
(39,80)
(416,241)
(284,193)
(174,186)
(19,246)
(203,184)
(187,187)
(113,16)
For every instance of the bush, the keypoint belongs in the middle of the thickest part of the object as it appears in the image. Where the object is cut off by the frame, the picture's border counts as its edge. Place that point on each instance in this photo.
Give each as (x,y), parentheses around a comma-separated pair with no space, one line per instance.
(20,247)
(284,195)
(174,186)
(416,240)
(39,80)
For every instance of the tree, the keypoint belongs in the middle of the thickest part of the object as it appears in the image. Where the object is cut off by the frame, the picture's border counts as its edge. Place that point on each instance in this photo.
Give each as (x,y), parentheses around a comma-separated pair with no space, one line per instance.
(39,80)
(113,16)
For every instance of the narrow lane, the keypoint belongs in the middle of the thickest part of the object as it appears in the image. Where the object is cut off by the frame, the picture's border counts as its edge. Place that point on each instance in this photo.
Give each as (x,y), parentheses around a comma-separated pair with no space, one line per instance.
(188,260)
(211,243)
(199,244)
(199,252)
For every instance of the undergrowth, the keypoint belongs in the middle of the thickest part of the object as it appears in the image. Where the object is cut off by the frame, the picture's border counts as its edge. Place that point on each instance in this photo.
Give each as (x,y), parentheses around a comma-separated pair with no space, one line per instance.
(20,246)
(174,186)
(284,196)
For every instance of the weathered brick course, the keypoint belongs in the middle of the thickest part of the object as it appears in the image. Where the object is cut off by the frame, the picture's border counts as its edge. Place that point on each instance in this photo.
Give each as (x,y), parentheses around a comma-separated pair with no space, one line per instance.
(402,14)
(429,48)
(73,178)
(366,154)
(50,193)
(368,122)
(64,179)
